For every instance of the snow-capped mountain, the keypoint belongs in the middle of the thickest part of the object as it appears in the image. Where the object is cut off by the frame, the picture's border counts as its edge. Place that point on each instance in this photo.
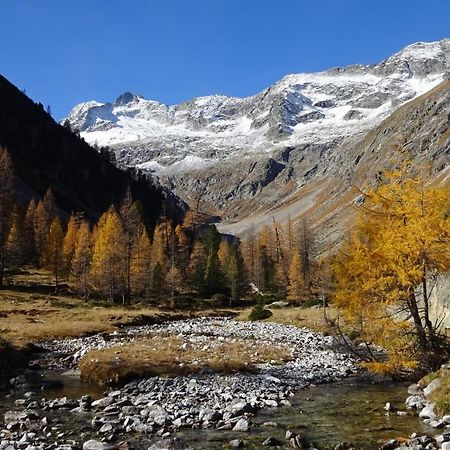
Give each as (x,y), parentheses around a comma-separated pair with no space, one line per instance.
(244,155)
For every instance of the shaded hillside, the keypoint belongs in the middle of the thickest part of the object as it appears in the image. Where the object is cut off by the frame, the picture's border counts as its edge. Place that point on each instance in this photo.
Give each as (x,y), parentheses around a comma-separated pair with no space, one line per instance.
(46,154)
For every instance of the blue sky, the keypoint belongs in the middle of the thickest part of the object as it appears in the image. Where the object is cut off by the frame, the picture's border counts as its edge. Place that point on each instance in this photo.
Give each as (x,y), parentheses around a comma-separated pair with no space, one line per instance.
(65,52)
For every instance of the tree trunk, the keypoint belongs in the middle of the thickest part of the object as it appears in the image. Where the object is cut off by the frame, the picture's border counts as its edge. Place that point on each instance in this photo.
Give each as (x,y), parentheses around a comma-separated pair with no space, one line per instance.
(2,268)
(127,298)
(56,268)
(2,251)
(428,323)
(420,331)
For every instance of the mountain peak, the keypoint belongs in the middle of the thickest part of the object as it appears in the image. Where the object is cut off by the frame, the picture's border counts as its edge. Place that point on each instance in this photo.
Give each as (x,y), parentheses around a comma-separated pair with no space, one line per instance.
(127,97)
(437,50)
(300,108)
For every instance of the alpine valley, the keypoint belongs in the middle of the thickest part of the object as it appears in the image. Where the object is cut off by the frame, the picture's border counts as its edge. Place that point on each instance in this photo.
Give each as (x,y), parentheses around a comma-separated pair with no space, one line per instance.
(306,141)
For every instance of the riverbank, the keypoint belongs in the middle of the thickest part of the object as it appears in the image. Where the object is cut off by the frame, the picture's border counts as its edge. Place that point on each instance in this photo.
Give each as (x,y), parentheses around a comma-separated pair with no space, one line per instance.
(161,406)
(208,409)
(243,406)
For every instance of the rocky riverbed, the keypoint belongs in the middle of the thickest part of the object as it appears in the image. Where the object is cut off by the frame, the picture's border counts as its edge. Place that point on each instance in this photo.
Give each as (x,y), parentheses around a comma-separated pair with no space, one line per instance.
(145,412)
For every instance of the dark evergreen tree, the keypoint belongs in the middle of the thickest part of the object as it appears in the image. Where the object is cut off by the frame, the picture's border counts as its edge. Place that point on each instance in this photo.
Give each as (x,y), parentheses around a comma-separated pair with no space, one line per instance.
(236,274)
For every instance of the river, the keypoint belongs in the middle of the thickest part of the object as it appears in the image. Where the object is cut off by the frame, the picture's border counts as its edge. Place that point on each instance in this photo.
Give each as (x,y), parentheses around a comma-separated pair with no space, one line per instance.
(349,410)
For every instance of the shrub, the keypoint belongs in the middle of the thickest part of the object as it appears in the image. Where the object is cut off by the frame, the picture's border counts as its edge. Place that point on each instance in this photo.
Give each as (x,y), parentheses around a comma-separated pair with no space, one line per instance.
(258,312)
(310,302)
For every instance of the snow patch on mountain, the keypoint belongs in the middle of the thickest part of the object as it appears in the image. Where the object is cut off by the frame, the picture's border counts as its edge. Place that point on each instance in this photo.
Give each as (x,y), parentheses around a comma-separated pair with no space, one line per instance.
(299,109)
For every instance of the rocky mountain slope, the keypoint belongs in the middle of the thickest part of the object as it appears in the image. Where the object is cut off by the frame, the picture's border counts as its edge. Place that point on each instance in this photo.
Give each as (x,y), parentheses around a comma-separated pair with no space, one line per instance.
(293,149)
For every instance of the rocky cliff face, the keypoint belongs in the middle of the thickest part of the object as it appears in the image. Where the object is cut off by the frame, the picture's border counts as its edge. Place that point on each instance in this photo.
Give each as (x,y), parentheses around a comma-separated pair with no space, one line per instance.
(293,149)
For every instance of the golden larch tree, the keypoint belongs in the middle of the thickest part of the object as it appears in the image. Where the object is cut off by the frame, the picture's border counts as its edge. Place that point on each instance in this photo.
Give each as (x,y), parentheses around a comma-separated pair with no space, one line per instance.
(15,242)
(41,227)
(295,278)
(249,252)
(197,255)
(52,255)
(160,246)
(28,232)
(108,265)
(383,272)
(70,241)
(81,260)
(183,250)
(43,217)
(141,264)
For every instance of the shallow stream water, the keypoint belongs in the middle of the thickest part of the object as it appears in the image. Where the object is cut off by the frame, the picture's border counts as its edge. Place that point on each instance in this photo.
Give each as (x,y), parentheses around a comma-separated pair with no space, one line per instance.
(347,411)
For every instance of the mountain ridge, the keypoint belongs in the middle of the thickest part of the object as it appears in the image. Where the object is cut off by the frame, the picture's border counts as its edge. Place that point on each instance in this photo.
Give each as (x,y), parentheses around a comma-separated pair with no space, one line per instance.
(245,156)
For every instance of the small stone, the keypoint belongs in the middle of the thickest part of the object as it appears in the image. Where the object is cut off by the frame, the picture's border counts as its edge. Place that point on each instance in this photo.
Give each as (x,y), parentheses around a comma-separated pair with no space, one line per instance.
(270,424)
(390,445)
(414,389)
(437,424)
(290,433)
(427,412)
(345,446)
(445,446)
(209,415)
(170,444)
(296,440)
(271,403)
(241,425)
(115,394)
(432,386)
(97,445)
(103,402)
(239,408)
(415,401)
(107,428)
(236,443)
(160,420)
(177,422)
(389,407)
(86,401)
(13,426)
(271,442)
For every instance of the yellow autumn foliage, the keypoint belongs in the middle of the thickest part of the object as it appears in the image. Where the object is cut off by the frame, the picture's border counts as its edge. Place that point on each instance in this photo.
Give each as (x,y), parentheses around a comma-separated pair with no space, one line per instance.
(383,271)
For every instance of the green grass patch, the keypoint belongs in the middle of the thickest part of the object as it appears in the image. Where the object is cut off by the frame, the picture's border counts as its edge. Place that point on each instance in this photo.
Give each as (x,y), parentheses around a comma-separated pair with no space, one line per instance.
(441,395)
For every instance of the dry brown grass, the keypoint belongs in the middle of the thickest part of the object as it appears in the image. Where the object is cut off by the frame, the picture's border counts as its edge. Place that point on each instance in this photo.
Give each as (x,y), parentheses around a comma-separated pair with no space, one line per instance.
(30,312)
(168,355)
(26,318)
(301,317)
